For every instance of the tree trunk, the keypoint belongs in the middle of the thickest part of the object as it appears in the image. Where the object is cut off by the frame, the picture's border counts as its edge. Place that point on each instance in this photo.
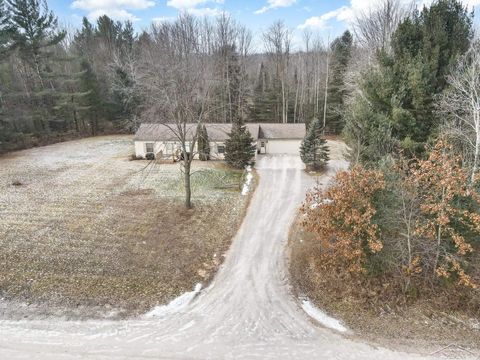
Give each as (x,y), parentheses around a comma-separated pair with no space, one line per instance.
(188,189)
(439,240)
(326,95)
(477,149)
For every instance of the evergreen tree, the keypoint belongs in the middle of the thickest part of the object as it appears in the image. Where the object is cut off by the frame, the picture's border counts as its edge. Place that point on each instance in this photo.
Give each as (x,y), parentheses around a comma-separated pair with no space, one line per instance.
(203,143)
(314,149)
(36,32)
(108,31)
(36,37)
(396,106)
(341,54)
(425,46)
(92,99)
(83,41)
(266,103)
(6,30)
(239,148)
(125,97)
(128,39)
(69,102)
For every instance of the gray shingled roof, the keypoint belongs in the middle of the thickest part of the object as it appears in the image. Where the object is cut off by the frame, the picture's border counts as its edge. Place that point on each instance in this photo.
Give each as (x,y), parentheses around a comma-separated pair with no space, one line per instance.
(219,132)
(282,131)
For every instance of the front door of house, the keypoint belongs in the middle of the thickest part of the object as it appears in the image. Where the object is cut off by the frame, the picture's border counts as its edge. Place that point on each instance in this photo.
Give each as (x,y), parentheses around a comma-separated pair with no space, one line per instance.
(263,147)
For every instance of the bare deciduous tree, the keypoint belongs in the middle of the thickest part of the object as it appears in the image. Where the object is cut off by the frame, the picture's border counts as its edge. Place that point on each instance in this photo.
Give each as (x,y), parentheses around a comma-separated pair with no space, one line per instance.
(461,104)
(374,29)
(176,81)
(277,41)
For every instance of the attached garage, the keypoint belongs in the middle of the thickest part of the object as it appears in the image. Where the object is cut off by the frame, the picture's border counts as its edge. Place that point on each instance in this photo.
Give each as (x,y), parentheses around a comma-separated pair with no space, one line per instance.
(280,146)
(281,138)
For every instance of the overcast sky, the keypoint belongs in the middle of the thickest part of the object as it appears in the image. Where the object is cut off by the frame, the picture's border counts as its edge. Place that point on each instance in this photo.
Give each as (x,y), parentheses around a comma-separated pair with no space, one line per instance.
(328,17)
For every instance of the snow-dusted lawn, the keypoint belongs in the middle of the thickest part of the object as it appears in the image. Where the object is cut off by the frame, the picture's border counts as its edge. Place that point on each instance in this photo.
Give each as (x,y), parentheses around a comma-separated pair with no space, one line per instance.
(84,226)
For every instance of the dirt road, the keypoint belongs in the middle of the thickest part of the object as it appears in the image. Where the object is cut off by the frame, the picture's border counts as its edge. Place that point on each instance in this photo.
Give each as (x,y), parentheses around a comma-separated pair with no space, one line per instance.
(246,313)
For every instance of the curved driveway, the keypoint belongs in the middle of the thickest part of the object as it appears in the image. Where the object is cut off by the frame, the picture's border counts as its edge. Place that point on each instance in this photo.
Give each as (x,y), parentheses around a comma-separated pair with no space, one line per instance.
(246,313)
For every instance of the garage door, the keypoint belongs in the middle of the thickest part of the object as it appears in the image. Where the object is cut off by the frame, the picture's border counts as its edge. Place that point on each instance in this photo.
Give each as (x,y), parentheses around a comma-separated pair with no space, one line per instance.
(283,147)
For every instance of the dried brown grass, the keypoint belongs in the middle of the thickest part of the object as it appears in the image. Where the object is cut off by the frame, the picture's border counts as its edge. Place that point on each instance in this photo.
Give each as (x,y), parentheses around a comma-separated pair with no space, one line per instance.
(84,233)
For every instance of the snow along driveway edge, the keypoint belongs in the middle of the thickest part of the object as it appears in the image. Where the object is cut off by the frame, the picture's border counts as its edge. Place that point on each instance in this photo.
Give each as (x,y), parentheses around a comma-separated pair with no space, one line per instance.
(322,317)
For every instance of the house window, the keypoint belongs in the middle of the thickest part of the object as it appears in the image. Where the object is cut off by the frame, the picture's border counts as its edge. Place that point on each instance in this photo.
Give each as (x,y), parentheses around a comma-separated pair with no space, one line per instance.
(262,143)
(221,149)
(149,147)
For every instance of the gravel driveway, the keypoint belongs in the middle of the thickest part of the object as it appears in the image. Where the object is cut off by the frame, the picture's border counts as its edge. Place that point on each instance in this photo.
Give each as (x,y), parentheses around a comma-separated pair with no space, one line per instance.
(248,311)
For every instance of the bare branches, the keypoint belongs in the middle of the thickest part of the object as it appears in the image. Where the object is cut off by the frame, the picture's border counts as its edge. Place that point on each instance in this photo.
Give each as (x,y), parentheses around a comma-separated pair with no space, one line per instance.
(461,104)
(177,79)
(277,40)
(375,28)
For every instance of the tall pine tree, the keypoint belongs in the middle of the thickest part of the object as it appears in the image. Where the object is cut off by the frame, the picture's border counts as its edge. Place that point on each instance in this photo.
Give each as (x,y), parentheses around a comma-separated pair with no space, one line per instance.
(239,147)
(341,54)
(314,150)
(6,30)
(69,102)
(203,143)
(36,33)
(396,106)
(35,36)
(425,47)
(93,98)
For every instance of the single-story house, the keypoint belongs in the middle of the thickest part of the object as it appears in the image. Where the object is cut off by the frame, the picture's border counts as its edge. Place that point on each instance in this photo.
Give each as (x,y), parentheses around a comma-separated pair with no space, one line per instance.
(161,141)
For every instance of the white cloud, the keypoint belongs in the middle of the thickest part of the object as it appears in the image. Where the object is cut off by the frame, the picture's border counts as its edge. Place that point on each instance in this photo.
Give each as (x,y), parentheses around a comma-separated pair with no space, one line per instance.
(116,9)
(205,11)
(111,4)
(472,3)
(344,13)
(115,14)
(357,7)
(191,6)
(275,4)
(163,19)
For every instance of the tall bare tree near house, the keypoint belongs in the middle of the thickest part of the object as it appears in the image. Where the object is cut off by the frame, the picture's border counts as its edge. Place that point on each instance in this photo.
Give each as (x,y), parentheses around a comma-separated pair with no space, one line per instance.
(461,103)
(244,47)
(374,28)
(176,80)
(224,35)
(277,40)
(327,73)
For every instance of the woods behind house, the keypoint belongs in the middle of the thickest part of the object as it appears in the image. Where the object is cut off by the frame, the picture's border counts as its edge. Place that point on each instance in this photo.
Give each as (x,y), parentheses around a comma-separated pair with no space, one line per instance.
(58,83)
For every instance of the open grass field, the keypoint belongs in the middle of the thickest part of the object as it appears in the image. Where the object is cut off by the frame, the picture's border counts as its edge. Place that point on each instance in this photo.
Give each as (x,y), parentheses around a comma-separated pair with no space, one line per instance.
(82,227)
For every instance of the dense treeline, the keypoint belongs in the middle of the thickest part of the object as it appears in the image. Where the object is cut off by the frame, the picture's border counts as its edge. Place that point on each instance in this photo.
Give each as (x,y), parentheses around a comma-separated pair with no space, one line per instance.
(405,219)
(56,84)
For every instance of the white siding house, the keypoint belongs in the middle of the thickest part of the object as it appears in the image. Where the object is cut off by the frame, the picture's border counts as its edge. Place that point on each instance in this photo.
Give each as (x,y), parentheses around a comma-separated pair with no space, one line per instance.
(160,140)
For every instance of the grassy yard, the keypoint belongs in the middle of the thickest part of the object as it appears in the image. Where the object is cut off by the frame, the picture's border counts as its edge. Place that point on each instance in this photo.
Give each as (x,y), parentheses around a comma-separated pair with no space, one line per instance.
(82,226)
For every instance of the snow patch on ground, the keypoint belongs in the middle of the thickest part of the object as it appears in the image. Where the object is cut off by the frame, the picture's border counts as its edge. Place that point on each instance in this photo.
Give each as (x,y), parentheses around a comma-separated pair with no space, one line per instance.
(248,181)
(321,317)
(175,305)
(323,202)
